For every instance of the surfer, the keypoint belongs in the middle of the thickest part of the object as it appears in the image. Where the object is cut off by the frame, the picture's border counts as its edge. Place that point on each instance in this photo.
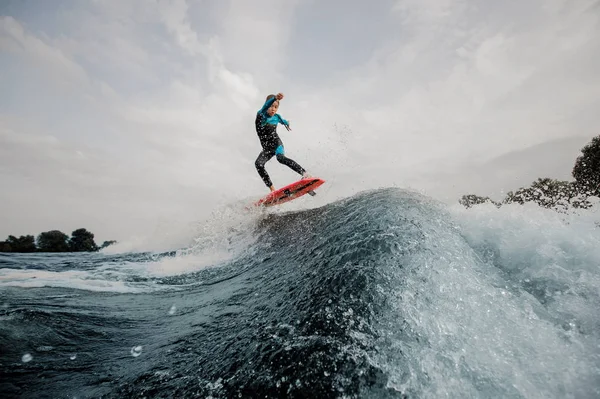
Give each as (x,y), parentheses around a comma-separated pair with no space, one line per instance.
(267,119)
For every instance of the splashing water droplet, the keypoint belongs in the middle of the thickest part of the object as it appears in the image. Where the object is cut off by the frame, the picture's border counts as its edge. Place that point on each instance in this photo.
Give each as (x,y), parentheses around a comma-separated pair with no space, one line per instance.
(73,357)
(172,310)
(136,351)
(26,358)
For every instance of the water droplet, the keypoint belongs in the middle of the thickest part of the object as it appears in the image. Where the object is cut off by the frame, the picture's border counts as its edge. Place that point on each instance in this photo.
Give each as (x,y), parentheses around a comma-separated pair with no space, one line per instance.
(172,310)
(73,357)
(136,351)
(26,358)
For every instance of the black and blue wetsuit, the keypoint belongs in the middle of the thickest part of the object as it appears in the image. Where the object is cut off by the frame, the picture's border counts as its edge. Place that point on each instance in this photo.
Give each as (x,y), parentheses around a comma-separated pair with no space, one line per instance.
(266,128)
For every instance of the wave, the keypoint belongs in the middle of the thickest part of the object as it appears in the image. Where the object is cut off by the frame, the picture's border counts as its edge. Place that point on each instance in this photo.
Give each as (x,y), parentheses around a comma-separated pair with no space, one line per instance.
(383,294)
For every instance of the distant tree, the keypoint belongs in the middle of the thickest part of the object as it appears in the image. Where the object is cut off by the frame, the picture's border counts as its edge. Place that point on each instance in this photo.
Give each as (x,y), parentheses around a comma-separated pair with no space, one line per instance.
(21,244)
(53,241)
(549,193)
(5,247)
(556,194)
(82,241)
(471,199)
(107,243)
(587,169)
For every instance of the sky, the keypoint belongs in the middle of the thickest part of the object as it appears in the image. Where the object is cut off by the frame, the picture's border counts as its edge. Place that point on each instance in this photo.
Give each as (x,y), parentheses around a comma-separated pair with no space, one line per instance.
(125,116)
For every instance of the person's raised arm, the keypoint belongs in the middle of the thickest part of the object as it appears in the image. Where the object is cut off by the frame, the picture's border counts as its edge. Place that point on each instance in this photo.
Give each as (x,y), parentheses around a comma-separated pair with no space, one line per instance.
(267,105)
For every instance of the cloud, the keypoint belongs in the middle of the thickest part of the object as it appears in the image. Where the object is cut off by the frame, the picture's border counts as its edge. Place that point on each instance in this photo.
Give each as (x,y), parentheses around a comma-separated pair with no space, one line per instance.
(174,16)
(450,83)
(14,38)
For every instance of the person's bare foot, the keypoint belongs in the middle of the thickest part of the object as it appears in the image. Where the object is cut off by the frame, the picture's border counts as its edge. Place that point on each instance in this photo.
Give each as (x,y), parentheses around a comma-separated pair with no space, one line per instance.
(272,188)
(306,175)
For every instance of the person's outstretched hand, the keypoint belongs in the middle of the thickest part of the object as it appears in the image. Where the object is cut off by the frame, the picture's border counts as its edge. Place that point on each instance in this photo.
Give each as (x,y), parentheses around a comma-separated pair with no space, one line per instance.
(279,96)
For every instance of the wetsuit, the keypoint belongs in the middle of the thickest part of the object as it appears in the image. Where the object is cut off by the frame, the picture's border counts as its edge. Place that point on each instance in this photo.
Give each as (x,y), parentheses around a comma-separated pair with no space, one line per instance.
(266,128)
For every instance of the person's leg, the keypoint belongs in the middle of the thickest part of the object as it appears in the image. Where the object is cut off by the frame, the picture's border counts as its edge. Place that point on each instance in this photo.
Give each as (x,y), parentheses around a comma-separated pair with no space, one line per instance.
(288,162)
(262,159)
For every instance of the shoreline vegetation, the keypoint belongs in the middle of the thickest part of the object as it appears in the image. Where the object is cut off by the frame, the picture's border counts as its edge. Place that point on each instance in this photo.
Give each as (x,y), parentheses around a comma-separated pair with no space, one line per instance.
(81,240)
(558,195)
(549,193)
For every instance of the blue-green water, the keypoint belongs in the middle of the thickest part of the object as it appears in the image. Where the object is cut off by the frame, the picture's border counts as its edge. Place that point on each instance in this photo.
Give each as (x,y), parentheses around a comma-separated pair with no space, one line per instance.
(385,294)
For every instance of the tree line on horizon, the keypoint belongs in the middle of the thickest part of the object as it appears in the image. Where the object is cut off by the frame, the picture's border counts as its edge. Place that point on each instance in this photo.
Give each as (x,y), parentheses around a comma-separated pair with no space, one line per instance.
(81,240)
(559,195)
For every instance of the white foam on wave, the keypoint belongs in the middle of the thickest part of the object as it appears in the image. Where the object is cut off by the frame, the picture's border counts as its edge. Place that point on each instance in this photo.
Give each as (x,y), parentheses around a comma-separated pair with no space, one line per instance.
(210,243)
(167,236)
(217,240)
(75,279)
(539,245)
(475,328)
(538,236)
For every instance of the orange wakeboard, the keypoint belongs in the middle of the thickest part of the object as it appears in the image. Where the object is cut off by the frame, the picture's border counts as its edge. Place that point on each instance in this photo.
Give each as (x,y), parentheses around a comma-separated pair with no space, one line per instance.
(291,192)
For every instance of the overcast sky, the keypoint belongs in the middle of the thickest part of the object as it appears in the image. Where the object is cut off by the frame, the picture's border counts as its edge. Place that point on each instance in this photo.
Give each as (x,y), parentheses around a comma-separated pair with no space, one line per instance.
(118,116)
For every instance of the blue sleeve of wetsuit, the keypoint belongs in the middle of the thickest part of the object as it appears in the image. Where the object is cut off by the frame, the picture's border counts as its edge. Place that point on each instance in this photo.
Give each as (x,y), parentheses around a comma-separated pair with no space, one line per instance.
(282,121)
(267,105)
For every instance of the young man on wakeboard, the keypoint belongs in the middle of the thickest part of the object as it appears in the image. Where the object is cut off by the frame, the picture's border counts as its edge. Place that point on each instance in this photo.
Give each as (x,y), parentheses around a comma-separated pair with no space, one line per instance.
(267,120)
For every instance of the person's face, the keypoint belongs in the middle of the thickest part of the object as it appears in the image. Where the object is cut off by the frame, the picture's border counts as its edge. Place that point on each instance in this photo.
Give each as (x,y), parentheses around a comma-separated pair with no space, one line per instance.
(273,108)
